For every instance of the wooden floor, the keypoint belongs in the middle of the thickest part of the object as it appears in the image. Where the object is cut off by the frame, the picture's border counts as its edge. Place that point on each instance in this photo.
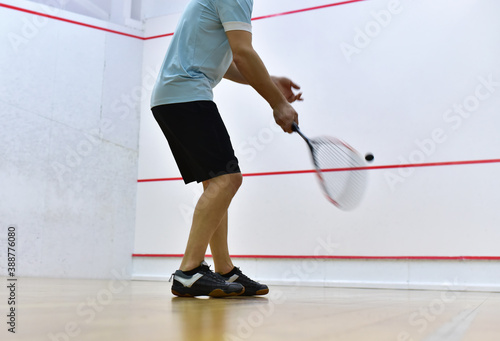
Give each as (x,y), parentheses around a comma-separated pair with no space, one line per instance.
(108,310)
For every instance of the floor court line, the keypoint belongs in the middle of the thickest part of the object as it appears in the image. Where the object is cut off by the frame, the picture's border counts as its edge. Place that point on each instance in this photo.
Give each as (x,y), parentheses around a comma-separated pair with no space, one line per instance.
(456,328)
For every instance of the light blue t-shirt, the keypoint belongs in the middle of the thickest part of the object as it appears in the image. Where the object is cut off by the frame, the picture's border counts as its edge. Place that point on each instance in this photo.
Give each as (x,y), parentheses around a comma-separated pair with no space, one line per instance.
(199,53)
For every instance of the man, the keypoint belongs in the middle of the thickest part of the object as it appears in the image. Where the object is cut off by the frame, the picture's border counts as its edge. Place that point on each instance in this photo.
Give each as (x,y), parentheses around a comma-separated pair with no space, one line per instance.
(213,40)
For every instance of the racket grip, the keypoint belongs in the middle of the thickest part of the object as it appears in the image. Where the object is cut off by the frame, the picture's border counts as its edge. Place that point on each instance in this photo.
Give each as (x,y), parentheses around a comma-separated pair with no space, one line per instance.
(295,127)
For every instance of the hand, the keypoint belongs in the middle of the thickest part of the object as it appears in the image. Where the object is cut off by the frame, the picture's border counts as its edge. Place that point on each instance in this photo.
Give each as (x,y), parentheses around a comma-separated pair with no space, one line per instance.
(286,85)
(285,115)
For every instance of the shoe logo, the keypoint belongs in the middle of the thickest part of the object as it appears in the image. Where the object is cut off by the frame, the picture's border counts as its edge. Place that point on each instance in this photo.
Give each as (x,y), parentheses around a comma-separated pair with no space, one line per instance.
(188,282)
(233,278)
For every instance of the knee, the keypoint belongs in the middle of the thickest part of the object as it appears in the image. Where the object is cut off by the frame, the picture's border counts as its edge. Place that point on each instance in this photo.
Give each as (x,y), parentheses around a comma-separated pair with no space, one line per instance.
(237,180)
(234,181)
(228,182)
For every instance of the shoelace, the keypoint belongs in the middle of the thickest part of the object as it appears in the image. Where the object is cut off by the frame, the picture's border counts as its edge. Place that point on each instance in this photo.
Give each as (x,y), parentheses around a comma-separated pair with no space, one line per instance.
(205,270)
(242,275)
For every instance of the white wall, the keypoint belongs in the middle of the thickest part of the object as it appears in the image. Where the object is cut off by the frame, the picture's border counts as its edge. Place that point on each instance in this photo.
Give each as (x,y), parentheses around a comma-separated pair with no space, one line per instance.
(70,100)
(400,87)
(122,12)
(69,143)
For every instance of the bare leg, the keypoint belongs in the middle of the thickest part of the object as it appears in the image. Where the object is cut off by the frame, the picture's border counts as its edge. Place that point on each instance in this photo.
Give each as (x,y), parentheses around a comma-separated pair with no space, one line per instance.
(209,214)
(219,248)
(218,245)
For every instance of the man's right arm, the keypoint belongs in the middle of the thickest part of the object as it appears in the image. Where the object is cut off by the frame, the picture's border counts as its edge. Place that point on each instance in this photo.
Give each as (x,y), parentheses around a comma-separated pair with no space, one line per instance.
(254,71)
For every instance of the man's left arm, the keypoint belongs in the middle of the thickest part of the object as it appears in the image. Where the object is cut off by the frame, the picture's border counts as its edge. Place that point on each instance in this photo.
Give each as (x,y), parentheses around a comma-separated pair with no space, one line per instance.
(283,83)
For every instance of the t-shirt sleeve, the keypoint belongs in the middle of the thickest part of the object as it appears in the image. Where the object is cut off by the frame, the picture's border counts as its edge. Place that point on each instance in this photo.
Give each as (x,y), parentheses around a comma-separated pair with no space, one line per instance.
(235,14)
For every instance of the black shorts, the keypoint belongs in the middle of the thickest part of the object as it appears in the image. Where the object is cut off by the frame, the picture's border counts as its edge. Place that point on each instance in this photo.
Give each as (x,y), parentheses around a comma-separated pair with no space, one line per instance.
(198,139)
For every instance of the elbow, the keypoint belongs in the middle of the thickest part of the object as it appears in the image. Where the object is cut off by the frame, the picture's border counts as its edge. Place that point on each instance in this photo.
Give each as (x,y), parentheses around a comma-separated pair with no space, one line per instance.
(241,55)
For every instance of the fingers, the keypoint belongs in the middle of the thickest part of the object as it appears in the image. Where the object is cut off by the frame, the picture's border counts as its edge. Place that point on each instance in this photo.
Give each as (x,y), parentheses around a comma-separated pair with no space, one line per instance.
(294,85)
(286,85)
(295,120)
(286,127)
(289,128)
(285,115)
(292,98)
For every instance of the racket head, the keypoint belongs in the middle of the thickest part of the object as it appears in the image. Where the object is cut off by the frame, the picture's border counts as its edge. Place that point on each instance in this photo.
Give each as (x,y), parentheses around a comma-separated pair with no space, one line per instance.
(340,171)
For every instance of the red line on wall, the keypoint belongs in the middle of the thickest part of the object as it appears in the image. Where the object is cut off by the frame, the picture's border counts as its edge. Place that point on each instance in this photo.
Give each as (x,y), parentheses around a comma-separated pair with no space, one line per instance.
(305,9)
(430,164)
(159,36)
(70,21)
(171,33)
(481,258)
(160,179)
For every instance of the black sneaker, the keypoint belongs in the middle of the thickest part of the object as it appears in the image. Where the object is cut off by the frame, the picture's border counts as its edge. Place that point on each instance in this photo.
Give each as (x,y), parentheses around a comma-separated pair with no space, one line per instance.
(252,288)
(203,283)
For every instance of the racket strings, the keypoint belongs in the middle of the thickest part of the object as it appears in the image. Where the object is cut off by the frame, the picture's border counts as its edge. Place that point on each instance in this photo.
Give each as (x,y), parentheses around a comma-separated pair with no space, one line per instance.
(333,161)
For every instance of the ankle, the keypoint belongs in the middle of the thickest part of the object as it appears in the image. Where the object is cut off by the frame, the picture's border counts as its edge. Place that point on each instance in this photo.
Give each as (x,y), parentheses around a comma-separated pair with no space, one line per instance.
(190,265)
(223,270)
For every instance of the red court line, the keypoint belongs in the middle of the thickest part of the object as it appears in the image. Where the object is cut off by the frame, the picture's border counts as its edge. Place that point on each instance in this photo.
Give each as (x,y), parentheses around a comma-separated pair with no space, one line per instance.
(171,33)
(306,171)
(305,9)
(481,258)
(159,36)
(161,179)
(70,21)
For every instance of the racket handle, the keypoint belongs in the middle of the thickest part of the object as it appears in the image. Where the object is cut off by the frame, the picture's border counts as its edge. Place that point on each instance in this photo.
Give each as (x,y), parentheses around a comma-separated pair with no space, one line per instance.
(296,129)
